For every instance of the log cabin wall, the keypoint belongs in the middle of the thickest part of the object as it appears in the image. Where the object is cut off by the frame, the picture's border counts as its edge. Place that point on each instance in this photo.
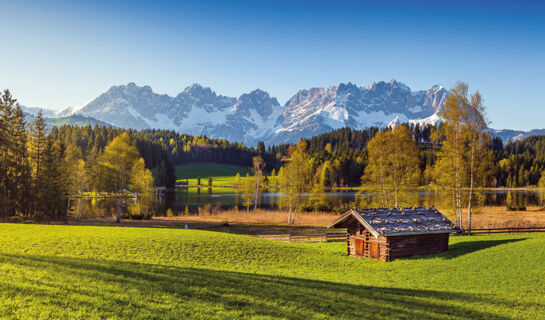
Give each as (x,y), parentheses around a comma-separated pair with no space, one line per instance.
(420,244)
(394,247)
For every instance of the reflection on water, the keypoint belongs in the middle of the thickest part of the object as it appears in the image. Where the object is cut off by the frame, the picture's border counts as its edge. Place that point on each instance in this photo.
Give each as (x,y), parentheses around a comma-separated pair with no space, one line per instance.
(189,200)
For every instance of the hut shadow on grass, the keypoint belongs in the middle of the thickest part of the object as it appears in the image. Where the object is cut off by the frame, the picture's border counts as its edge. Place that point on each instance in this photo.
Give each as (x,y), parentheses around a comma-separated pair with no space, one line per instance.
(105,289)
(466,247)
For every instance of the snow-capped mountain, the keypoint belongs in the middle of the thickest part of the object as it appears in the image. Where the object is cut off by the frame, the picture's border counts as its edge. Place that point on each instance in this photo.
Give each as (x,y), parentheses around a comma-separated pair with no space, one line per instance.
(516,135)
(318,110)
(257,116)
(33,111)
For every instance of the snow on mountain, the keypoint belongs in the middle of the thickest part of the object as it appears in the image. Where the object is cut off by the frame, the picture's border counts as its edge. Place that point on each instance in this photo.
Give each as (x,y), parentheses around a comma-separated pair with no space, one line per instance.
(318,110)
(33,111)
(516,135)
(257,116)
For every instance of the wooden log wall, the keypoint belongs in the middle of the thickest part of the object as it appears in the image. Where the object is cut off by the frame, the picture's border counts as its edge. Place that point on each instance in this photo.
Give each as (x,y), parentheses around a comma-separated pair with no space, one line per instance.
(395,247)
(422,244)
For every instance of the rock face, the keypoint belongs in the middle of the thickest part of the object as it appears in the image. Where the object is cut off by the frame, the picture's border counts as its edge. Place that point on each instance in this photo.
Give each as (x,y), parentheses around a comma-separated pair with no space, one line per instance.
(318,110)
(256,116)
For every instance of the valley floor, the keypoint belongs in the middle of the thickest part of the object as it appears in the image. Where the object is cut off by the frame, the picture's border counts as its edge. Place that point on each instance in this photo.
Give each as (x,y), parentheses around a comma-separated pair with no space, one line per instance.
(88,272)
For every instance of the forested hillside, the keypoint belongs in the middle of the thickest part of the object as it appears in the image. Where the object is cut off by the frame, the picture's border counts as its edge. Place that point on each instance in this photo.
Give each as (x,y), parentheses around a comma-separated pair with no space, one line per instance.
(41,169)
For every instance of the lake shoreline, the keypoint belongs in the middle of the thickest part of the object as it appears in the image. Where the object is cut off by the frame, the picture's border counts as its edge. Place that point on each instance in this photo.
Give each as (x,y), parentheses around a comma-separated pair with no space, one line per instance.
(275,221)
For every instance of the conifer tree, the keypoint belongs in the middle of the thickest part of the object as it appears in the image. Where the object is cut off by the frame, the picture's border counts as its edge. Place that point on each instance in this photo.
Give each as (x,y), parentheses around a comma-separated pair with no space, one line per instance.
(52,182)
(20,174)
(37,146)
(6,117)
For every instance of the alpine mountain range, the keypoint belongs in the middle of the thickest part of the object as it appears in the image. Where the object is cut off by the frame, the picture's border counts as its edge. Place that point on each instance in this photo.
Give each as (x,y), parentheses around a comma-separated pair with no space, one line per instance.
(256,116)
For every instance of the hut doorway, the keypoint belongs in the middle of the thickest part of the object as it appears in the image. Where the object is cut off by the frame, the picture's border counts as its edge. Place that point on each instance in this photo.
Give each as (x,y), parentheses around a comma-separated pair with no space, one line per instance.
(359,247)
(375,250)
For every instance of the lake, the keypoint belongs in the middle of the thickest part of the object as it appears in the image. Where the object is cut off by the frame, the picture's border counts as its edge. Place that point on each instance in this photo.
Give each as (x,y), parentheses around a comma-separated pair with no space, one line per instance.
(190,199)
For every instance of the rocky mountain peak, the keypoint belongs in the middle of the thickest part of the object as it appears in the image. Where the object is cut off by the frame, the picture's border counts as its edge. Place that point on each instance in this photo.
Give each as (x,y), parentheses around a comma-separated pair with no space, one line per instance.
(256,116)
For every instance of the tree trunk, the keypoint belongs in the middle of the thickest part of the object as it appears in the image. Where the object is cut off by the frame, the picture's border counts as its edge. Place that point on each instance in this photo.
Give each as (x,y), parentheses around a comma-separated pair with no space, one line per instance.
(470,194)
(296,207)
(68,207)
(289,212)
(396,198)
(457,175)
(117,210)
(78,207)
(256,192)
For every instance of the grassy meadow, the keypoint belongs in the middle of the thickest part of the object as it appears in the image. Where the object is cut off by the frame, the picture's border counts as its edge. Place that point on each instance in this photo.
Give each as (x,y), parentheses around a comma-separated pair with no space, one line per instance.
(87,272)
(222,174)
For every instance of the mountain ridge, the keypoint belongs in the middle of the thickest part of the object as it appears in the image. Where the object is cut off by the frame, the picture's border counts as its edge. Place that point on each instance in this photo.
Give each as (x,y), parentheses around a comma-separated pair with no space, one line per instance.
(256,116)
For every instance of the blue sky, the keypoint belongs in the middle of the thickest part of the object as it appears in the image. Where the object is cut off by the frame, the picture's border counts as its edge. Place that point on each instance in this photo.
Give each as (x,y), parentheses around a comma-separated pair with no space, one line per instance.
(59,53)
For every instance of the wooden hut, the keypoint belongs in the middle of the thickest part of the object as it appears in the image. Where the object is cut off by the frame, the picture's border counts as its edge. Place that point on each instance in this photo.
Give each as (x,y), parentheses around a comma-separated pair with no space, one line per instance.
(388,234)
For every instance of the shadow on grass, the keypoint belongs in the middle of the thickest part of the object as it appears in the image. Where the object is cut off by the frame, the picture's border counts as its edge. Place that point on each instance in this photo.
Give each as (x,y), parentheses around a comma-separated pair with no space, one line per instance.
(465,247)
(134,290)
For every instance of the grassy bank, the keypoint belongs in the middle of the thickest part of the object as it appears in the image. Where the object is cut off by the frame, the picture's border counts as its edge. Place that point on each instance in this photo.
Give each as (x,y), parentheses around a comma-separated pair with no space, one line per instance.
(259,217)
(141,273)
(275,221)
(485,217)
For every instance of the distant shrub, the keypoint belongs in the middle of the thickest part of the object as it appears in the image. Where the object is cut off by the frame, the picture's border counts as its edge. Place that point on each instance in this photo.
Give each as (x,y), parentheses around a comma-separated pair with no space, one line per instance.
(515,202)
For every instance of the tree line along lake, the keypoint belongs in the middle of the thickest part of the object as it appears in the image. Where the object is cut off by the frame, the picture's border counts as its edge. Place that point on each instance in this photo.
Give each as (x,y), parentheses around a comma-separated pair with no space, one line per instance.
(189,200)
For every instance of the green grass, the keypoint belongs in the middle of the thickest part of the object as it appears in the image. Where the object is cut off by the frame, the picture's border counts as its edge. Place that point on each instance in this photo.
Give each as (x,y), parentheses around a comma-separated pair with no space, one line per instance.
(144,273)
(222,174)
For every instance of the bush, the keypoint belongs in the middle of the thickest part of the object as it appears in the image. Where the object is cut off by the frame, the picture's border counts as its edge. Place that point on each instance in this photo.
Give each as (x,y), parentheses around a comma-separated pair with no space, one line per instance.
(515,202)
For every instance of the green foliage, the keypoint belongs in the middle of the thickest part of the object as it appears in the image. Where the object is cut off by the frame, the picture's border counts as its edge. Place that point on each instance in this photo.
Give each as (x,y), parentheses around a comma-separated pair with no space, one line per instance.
(141,179)
(393,166)
(15,175)
(515,202)
(116,163)
(247,192)
(69,272)
(295,177)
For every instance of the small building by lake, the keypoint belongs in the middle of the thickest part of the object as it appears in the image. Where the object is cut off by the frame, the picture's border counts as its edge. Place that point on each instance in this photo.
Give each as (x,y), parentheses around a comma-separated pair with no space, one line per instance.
(389,234)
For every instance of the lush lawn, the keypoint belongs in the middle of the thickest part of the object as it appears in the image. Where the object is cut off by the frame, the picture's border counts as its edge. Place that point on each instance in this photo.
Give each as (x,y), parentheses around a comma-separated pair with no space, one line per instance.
(222,174)
(143,273)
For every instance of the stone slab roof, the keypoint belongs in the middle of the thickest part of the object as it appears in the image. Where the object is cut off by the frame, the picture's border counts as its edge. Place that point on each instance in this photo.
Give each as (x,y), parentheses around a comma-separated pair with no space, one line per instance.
(404,221)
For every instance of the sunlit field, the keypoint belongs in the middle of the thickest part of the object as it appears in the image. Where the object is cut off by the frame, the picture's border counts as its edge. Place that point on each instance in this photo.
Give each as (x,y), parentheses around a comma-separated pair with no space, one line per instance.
(222,174)
(147,273)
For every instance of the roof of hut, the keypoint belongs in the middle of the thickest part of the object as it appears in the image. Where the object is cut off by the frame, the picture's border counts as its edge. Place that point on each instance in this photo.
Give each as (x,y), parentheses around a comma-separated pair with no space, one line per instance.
(396,222)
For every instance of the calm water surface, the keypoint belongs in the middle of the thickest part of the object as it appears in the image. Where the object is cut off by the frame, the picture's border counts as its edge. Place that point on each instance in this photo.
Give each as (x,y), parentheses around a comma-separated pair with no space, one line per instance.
(191,199)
